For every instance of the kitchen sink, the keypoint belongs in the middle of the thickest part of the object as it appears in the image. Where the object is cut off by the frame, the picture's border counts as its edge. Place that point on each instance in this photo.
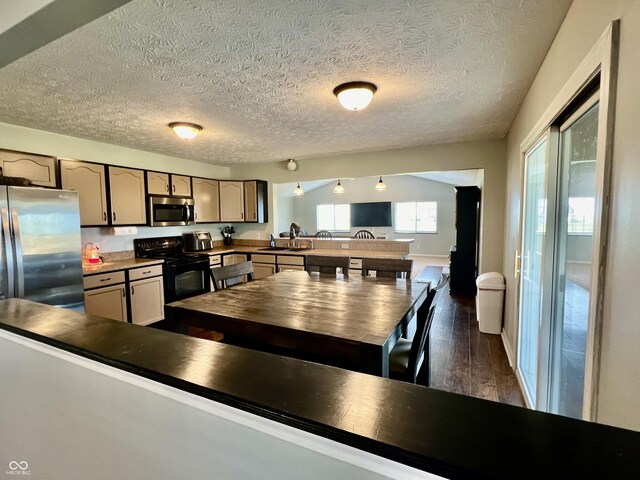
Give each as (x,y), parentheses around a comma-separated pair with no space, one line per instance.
(299,249)
(274,249)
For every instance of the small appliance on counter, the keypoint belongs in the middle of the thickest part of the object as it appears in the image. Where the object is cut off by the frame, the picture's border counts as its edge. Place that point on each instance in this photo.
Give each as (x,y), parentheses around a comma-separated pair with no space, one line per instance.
(197,241)
(91,254)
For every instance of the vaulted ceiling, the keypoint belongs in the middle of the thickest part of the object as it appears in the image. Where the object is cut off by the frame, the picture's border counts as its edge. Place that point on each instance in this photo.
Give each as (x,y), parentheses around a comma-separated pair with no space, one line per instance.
(259,75)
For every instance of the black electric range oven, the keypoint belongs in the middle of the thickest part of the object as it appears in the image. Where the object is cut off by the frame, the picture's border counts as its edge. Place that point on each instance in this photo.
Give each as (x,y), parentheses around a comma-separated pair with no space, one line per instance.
(185,274)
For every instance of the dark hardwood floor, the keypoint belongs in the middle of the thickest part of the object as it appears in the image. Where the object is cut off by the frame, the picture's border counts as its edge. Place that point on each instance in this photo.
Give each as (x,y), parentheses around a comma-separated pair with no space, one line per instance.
(466,361)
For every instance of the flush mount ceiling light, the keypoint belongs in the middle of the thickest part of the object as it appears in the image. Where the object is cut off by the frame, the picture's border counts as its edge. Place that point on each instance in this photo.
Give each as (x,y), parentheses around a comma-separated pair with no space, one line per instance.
(292,165)
(355,95)
(298,191)
(338,188)
(380,186)
(185,130)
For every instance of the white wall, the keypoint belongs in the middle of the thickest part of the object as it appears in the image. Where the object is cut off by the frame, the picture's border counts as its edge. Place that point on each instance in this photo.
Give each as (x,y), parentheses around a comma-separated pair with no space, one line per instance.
(488,155)
(71,418)
(619,394)
(400,188)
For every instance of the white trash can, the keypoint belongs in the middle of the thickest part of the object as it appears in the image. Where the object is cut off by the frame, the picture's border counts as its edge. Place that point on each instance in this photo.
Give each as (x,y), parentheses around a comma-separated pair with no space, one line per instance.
(490,301)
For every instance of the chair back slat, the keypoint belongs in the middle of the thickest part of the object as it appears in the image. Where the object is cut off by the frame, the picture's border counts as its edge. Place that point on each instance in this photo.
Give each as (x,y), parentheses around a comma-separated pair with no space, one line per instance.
(324,234)
(387,267)
(416,353)
(326,264)
(364,234)
(229,275)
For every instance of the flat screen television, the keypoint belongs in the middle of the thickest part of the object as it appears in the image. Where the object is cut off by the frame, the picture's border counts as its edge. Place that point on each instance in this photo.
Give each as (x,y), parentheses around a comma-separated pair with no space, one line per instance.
(371,214)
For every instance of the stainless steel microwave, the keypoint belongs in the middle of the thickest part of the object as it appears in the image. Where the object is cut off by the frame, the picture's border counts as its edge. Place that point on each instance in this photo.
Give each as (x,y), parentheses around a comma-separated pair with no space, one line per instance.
(170,211)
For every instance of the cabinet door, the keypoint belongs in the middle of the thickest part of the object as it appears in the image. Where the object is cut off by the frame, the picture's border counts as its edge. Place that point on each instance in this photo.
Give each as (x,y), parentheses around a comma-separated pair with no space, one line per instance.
(88,179)
(108,302)
(180,186)
(250,201)
(157,183)
(147,300)
(261,270)
(127,196)
(41,170)
(233,259)
(231,201)
(284,268)
(206,195)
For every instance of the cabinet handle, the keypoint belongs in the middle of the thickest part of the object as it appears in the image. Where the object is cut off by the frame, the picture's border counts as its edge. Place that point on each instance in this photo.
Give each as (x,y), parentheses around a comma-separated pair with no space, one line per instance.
(167,187)
(174,189)
(133,290)
(147,272)
(114,216)
(196,215)
(105,279)
(124,293)
(242,215)
(104,216)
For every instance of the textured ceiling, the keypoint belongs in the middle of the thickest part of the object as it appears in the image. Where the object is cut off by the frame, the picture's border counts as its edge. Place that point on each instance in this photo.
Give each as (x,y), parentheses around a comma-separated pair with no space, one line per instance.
(259,75)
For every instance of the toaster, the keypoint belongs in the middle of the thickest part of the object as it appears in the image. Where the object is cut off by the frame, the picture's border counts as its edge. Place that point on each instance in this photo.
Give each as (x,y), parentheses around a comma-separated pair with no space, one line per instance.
(197,241)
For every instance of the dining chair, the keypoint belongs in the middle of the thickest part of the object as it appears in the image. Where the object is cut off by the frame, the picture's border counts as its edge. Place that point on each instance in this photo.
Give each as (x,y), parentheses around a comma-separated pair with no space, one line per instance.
(363,234)
(409,360)
(324,234)
(325,264)
(387,267)
(230,275)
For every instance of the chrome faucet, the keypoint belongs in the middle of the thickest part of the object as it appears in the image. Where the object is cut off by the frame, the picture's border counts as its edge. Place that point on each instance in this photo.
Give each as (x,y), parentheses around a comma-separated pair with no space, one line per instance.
(294,232)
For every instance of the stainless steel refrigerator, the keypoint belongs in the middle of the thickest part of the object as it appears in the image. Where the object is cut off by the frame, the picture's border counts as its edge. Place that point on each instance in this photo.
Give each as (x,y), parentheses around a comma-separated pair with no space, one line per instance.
(41,253)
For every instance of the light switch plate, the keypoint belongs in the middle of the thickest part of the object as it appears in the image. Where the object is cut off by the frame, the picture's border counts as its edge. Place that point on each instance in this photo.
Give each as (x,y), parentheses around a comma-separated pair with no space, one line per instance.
(345,246)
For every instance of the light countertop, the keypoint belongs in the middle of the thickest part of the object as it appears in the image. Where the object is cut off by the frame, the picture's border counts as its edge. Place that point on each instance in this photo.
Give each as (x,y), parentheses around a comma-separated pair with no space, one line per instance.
(114,265)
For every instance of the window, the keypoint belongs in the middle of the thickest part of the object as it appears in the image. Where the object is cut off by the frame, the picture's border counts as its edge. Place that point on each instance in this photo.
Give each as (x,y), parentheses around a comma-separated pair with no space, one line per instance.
(416,217)
(581,212)
(335,218)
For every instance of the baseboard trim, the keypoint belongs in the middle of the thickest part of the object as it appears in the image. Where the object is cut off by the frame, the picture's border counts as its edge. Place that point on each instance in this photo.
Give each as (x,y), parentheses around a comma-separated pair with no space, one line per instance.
(507,348)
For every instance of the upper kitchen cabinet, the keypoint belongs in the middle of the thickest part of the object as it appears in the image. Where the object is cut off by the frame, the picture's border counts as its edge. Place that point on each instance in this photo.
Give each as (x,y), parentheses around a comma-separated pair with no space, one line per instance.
(206,197)
(40,169)
(231,201)
(158,183)
(180,186)
(127,195)
(88,179)
(255,201)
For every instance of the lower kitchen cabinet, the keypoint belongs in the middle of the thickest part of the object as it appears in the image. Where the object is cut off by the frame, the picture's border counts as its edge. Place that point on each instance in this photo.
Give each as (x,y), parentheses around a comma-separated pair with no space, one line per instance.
(108,302)
(290,262)
(135,295)
(233,258)
(147,300)
(263,265)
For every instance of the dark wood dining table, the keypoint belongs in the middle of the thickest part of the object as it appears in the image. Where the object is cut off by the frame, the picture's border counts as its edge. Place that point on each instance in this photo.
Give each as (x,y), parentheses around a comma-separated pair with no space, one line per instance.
(342,320)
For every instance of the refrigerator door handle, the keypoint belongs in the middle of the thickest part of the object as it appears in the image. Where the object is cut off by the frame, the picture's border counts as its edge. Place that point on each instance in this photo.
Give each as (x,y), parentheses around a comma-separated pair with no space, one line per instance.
(19,260)
(6,234)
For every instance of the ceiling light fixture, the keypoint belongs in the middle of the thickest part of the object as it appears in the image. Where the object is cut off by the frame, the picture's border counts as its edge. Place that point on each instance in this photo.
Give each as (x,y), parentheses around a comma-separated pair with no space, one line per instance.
(298,191)
(292,165)
(338,188)
(185,130)
(380,186)
(355,95)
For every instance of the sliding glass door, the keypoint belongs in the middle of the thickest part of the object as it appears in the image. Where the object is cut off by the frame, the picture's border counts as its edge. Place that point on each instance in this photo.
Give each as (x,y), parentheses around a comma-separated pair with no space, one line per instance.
(558,219)
(573,252)
(533,239)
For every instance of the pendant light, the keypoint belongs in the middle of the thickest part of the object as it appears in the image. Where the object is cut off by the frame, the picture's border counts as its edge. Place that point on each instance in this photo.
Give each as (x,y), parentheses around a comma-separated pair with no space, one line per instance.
(185,130)
(380,186)
(298,191)
(355,95)
(339,189)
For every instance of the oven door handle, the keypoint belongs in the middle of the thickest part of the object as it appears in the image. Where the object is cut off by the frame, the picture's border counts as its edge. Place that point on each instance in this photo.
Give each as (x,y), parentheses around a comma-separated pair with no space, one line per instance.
(202,263)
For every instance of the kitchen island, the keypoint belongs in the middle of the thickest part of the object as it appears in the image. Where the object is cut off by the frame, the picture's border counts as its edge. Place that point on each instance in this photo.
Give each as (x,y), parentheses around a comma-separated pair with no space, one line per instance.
(429,430)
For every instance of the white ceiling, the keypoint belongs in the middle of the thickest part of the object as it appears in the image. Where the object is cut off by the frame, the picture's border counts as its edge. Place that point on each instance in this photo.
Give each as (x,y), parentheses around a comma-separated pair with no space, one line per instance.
(259,75)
